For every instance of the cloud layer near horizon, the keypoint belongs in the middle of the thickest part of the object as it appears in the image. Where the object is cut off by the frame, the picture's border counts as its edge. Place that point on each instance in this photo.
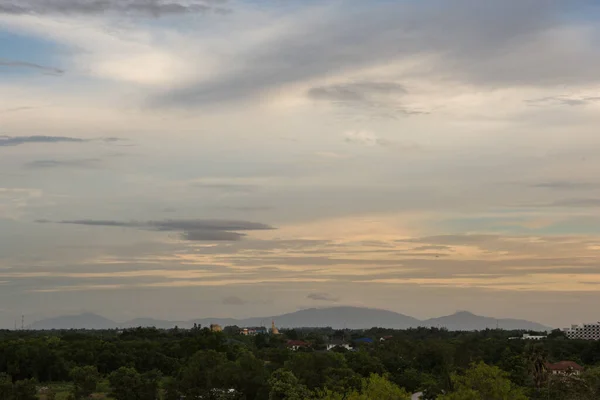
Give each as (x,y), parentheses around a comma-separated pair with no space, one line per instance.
(419,156)
(153,8)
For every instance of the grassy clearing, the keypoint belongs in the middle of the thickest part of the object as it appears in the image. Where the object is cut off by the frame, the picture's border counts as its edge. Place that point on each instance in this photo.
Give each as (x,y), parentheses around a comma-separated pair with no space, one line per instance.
(62,390)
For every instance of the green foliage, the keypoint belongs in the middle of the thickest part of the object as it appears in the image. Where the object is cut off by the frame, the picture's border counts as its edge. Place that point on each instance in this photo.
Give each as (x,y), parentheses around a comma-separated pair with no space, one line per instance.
(25,389)
(128,384)
(364,363)
(85,380)
(199,362)
(312,368)
(6,387)
(484,382)
(204,373)
(170,388)
(373,388)
(285,386)
(378,388)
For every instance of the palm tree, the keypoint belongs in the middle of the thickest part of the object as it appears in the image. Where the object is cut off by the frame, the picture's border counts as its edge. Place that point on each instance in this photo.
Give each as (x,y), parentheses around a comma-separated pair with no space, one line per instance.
(537,363)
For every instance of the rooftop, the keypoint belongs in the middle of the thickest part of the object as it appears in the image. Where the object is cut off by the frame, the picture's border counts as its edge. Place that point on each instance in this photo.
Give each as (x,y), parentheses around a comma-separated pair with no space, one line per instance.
(564,366)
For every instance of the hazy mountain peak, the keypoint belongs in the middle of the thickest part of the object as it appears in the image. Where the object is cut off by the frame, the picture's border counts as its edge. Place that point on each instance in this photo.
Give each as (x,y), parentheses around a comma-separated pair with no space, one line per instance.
(338,317)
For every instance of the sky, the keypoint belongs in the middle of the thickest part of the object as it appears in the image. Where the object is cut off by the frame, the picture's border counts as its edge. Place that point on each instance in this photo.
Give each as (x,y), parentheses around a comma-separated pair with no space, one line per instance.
(181,159)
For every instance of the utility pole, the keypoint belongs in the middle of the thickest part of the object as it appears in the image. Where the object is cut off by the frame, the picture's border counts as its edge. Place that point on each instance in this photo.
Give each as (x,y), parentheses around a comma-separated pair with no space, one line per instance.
(22,322)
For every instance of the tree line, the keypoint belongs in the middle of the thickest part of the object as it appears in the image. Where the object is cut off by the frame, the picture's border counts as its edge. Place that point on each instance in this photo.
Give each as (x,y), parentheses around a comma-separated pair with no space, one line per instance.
(176,364)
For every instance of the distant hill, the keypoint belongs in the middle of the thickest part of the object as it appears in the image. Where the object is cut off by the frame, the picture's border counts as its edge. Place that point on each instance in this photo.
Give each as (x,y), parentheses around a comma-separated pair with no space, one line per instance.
(82,321)
(157,323)
(334,317)
(466,321)
(346,317)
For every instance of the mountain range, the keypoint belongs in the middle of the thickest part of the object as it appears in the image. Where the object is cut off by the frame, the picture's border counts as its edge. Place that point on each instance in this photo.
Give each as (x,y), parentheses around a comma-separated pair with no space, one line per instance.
(334,317)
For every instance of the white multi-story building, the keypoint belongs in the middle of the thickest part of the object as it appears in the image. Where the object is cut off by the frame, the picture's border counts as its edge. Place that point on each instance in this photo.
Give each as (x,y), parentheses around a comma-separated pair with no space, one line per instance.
(527,336)
(584,332)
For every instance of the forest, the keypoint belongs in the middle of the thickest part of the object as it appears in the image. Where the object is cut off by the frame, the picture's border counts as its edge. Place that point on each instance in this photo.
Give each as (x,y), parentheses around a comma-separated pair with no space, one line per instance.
(152,364)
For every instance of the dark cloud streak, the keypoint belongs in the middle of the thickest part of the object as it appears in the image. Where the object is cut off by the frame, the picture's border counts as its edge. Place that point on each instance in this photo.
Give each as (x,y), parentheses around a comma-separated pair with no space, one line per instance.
(191,230)
(323,297)
(29,65)
(77,163)
(7,141)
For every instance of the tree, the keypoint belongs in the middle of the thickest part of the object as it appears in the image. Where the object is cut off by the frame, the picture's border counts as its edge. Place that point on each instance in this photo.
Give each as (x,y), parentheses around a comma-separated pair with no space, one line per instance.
(149,384)
(285,386)
(25,389)
(311,368)
(124,382)
(342,380)
(557,334)
(85,380)
(483,382)
(363,363)
(250,376)
(591,376)
(206,373)
(128,384)
(375,387)
(171,389)
(6,387)
(537,364)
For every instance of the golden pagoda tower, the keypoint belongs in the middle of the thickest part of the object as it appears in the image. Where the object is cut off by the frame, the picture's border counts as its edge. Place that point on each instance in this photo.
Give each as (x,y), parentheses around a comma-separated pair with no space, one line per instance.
(274,330)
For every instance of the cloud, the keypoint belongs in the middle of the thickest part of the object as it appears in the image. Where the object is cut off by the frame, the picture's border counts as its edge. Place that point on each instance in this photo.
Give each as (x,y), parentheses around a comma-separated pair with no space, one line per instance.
(233,301)
(576,203)
(374,98)
(14,200)
(6,141)
(16,109)
(152,8)
(77,163)
(355,91)
(367,138)
(564,101)
(432,247)
(192,230)
(452,240)
(226,187)
(565,185)
(28,65)
(461,41)
(19,140)
(200,235)
(323,297)
(246,208)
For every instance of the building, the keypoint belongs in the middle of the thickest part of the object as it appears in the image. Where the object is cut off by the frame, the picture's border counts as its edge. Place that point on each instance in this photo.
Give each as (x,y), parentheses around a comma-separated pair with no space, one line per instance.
(274,330)
(253,331)
(583,332)
(527,336)
(364,340)
(297,344)
(385,338)
(338,343)
(564,368)
(216,328)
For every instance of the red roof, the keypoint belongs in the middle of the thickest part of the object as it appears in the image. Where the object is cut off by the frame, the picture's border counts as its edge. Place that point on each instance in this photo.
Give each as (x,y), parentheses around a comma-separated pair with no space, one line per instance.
(564,366)
(296,343)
